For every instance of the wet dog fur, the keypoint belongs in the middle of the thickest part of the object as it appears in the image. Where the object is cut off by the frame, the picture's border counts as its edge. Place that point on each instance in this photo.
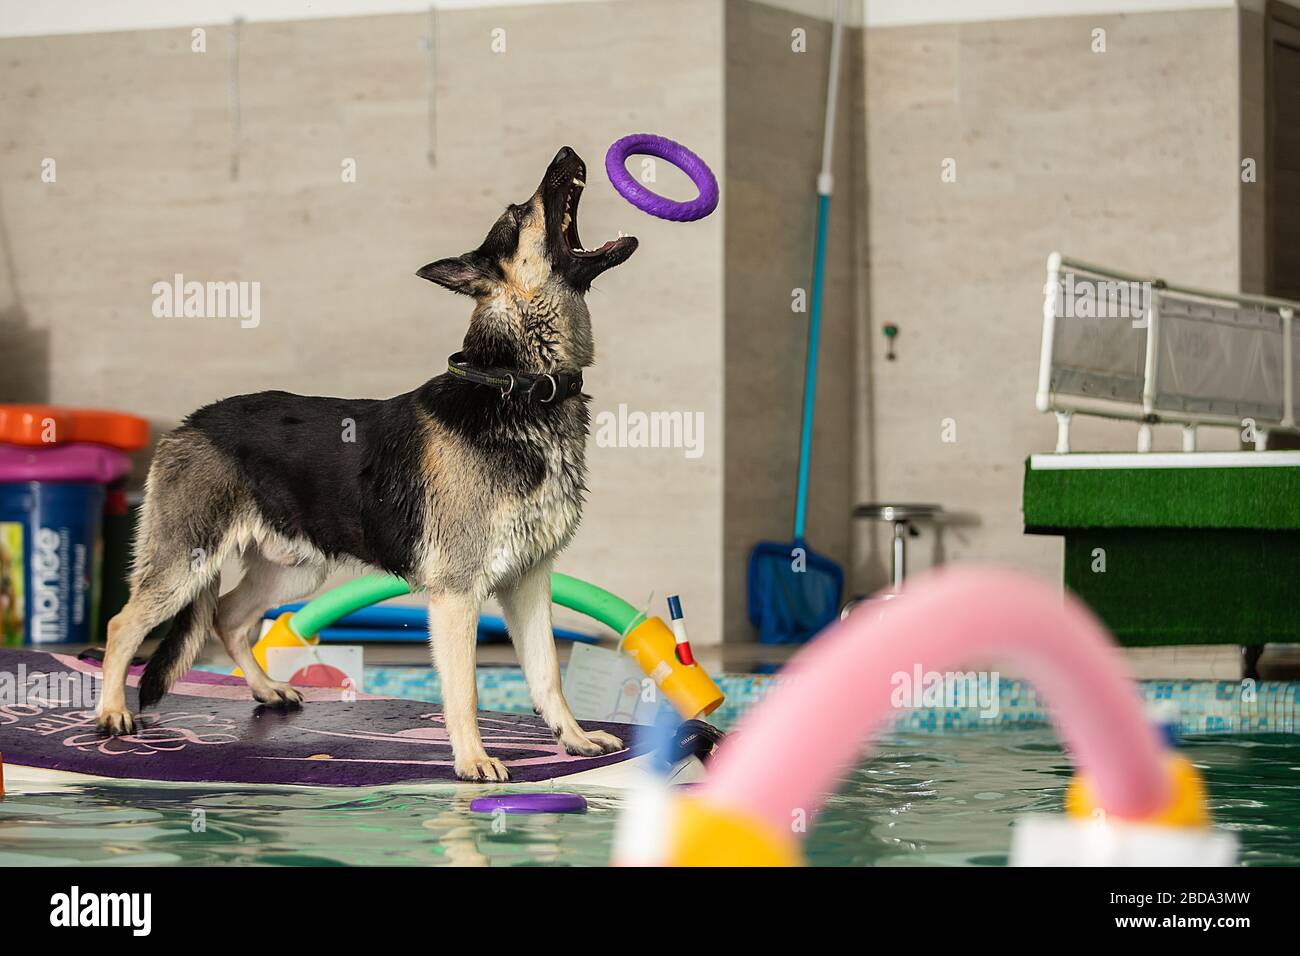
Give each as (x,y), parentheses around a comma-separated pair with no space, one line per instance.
(460,491)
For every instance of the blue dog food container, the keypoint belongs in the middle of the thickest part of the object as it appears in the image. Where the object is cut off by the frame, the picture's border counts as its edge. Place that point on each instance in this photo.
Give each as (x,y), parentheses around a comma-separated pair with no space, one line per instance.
(49,557)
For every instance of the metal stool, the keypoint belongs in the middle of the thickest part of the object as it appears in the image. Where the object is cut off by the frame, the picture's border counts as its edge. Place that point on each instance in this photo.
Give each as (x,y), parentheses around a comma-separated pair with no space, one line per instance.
(902,518)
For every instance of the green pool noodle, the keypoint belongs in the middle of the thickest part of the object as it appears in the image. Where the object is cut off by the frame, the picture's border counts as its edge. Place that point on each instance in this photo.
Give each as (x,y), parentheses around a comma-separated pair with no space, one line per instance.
(566,591)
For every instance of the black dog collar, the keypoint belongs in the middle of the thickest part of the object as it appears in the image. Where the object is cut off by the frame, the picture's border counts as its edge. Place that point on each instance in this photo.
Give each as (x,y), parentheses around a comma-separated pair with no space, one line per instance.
(544,388)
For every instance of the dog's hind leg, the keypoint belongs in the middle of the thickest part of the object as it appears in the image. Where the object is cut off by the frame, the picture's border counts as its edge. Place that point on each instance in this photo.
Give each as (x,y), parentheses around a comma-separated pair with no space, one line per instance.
(527,606)
(265,584)
(166,591)
(453,636)
(192,504)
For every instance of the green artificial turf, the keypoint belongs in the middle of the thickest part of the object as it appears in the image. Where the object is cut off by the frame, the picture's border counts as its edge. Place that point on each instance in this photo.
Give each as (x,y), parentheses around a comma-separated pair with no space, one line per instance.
(1258,498)
(1172,586)
(1178,555)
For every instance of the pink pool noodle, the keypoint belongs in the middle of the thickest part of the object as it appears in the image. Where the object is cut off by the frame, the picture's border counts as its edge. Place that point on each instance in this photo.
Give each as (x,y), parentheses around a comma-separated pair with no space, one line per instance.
(787,753)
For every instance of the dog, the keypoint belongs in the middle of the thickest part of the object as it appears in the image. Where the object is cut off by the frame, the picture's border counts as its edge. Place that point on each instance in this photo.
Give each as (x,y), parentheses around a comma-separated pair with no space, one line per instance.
(462,488)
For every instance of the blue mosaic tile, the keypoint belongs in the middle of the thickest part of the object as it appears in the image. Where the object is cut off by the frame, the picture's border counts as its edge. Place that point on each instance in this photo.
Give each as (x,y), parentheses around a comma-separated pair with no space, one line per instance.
(1202,707)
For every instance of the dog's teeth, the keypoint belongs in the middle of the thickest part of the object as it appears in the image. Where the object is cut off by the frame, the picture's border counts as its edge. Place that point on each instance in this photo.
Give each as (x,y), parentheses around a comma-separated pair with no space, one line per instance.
(578,182)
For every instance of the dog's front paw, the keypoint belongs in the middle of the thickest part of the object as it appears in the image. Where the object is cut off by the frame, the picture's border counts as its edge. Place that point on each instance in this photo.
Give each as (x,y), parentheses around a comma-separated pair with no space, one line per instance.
(482,769)
(591,744)
(116,722)
(279,695)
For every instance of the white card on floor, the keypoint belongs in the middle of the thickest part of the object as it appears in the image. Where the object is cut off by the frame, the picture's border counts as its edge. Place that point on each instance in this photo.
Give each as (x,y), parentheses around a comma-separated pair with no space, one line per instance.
(333,665)
(603,684)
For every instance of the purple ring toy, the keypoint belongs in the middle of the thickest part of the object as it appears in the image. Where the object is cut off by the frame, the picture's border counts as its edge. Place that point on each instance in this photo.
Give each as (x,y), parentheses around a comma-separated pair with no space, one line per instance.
(647,144)
(530,803)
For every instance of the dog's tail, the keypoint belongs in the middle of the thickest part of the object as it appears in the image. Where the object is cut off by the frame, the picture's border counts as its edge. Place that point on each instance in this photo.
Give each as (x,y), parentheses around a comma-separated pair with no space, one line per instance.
(190,629)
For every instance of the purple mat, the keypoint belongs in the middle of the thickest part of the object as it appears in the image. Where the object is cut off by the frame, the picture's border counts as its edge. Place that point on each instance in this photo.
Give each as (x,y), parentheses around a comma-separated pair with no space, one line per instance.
(210,730)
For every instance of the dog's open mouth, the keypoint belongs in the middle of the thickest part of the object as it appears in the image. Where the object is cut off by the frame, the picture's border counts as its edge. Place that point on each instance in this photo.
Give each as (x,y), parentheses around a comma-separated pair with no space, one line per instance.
(561,191)
(569,227)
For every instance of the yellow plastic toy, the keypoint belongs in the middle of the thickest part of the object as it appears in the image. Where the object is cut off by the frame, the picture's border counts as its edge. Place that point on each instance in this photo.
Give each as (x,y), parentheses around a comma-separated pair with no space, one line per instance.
(1186,808)
(690,690)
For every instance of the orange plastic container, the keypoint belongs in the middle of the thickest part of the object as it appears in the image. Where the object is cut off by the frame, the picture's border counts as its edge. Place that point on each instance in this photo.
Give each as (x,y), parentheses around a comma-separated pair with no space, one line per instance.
(54,424)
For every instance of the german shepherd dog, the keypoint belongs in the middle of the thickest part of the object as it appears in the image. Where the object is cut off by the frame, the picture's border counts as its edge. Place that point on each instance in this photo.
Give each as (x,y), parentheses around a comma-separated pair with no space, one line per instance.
(463,489)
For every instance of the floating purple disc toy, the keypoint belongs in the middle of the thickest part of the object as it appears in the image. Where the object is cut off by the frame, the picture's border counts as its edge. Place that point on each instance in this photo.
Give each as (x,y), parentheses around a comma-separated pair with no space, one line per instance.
(530,803)
(647,144)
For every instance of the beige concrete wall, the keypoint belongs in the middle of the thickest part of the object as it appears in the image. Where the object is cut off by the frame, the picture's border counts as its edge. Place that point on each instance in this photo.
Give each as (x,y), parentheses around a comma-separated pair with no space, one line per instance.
(140,130)
(1251,59)
(775,111)
(1128,157)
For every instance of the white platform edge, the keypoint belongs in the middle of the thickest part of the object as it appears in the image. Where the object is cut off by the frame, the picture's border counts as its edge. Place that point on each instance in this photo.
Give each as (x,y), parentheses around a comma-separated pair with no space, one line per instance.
(1102,461)
(624,775)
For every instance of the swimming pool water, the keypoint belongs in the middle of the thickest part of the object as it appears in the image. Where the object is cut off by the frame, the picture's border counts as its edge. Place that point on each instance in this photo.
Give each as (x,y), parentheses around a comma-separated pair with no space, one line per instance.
(920,799)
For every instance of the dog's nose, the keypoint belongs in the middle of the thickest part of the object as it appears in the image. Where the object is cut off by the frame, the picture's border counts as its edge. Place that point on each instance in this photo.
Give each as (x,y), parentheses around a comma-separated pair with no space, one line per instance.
(565,154)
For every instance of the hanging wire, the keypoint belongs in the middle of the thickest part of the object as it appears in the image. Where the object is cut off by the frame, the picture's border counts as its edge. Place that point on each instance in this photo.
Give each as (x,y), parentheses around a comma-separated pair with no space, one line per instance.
(431,84)
(232,94)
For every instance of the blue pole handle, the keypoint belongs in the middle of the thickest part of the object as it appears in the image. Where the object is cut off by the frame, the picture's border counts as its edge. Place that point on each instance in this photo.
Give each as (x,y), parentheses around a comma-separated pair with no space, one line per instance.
(810,368)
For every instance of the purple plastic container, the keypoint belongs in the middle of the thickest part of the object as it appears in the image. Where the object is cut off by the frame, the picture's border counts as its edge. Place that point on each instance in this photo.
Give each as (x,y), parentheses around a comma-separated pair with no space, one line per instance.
(51,507)
(49,561)
(75,462)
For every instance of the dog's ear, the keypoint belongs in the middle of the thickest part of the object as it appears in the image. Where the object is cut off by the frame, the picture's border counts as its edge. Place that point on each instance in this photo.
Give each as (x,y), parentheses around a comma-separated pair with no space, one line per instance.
(465,274)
